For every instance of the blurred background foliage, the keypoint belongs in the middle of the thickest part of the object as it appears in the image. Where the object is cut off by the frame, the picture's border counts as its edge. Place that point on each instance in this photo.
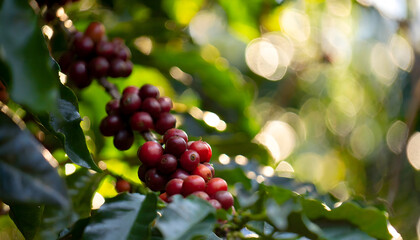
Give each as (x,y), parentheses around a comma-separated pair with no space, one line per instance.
(326,92)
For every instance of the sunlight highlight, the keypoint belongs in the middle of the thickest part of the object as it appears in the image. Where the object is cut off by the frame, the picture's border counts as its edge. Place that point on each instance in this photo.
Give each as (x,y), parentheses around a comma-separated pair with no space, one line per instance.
(98,201)
(413,150)
(224,159)
(396,136)
(144,44)
(69,169)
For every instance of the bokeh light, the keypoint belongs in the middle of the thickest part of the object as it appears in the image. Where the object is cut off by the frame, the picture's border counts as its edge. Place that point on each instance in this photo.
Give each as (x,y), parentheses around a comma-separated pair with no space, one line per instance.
(413,150)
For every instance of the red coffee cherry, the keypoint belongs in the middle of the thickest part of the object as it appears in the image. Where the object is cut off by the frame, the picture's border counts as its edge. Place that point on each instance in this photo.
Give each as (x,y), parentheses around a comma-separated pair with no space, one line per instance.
(201,195)
(203,149)
(130,103)
(105,49)
(142,172)
(130,89)
(110,125)
(175,146)
(167,164)
(149,91)
(189,160)
(174,186)
(225,199)
(164,122)
(165,104)
(98,67)
(152,106)
(175,132)
(209,166)
(154,180)
(113,107)
(164,197)
(141,121)
(202,171)
(83,46)
(95,31)
(128,69)
(179,173)
(122,186)
(215,203)
(78,74)
(123,139)
(150,153)
(192,184)
(215,185)
(117,68)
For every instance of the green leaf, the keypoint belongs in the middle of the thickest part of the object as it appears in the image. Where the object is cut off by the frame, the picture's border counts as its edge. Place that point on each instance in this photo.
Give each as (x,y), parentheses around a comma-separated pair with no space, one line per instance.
(186,218)
(27,218)
(234,175)
(279,214)
(54,220)
(65,125)
(81,187)
(25,175)
(22,47)
(370,220)
(126,216)
(343,231)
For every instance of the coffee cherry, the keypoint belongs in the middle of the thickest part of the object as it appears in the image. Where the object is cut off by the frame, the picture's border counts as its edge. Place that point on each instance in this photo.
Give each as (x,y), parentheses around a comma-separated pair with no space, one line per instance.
(154,180)
(95,31)
(65,61)
(164,197)
(128,69)
(117,68)
(167,164)
(142,172)
(98,67)
(152,106)
(130,89)
(165,104)
(164,122)
(122,52)
(110,125)
(209,166)
(215,203)
(225,198)
(202,171)
(105,49)
(130,103)
(122,186)
(78,74)
(141,121)
(113,107)
(175,146)
(203,149)
(150,153)
(123,139)
(215,185)
(174,186)
(149,91)
(179,173)
(201,195)
(83,46)
(189,160)
(175,132)
(192,184)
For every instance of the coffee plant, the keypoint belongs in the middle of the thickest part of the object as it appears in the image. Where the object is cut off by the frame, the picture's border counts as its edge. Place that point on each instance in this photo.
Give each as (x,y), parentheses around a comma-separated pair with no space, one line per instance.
(166,120)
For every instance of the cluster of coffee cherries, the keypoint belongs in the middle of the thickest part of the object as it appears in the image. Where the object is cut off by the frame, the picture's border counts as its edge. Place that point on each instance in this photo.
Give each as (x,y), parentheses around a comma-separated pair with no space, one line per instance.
(138,110)
(182,167)
(91,56)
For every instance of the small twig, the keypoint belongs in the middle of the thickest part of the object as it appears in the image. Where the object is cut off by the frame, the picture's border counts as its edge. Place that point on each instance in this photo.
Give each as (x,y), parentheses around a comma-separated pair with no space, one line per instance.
(110,88)
(149,136)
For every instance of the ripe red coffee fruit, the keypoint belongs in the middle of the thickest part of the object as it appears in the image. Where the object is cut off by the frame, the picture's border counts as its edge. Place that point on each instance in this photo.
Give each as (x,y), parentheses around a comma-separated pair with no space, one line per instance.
(122,186)
(203,149)
(150,153)
(154,180)
(201,195)
(225,199)
(203,171)
(174,186)
(179,173)
(167,164)
(175,146)
(149,91)
(175,132)
(192,184)
(141,121)
(215,203)
(189,160)
(215,185)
